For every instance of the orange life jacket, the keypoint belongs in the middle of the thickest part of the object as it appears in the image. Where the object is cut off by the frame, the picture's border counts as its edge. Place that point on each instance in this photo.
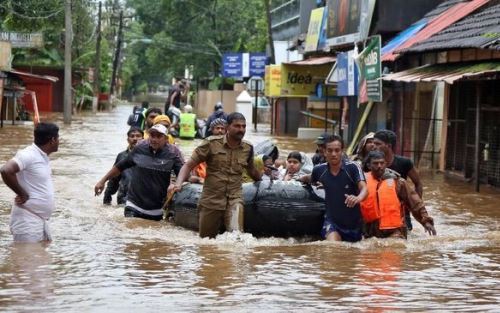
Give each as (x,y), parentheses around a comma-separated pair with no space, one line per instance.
(201,170)
(382,203)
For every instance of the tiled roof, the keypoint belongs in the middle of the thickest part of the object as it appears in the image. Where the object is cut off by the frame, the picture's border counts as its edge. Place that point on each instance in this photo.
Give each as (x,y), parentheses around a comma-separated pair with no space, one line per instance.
(388,51)
(479,30)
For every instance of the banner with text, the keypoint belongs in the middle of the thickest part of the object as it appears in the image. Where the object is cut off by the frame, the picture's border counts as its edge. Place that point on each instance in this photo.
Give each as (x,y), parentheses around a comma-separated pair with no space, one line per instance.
(370,82)
(273,81)
(313,32)
(301,80)
(347,73)
(240,65)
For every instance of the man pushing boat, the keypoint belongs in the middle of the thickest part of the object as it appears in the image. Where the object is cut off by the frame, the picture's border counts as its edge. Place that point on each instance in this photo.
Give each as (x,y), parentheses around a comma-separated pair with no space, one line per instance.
(226,156)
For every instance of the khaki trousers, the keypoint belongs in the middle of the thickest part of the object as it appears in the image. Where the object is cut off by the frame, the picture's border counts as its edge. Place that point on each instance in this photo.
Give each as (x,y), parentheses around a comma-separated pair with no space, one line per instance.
(211,219)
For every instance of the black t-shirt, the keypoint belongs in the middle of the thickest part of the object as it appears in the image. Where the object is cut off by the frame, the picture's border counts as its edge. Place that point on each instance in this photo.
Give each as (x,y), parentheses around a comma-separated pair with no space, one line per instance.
(151,174)
(177,99)
(336,187)
(318,159)
(401,165)
(136,119)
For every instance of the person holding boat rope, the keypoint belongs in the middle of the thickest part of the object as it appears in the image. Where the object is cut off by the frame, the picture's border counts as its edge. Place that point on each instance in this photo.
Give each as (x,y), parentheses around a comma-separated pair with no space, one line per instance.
(152,162)
(226,156)
(345,188)
(389,194)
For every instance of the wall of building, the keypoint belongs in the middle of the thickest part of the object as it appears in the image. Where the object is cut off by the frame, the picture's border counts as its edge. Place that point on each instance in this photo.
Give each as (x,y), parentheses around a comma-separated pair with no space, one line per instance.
(460,144)
(206,99)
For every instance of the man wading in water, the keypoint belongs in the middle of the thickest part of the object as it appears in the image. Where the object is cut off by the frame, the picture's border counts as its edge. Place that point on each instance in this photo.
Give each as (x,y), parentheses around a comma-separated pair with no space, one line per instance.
(226,157)
(385,141)
(388,193)
(345,188)
(152,162)
(120,183)
(28,174)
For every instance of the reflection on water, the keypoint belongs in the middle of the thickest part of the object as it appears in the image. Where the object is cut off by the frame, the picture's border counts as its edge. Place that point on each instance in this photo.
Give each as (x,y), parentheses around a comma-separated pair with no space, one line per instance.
(100,261)
(27,277)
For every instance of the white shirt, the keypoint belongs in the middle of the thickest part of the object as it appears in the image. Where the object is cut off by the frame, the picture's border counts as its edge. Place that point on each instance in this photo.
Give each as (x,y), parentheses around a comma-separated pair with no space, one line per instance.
(35,177)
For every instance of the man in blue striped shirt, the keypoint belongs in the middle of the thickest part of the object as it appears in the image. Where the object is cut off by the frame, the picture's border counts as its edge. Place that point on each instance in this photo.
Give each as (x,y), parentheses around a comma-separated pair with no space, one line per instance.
(345,188)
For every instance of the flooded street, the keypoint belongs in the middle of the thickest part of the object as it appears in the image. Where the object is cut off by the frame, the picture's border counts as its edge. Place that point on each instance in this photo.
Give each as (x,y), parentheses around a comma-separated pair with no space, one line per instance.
(99,261)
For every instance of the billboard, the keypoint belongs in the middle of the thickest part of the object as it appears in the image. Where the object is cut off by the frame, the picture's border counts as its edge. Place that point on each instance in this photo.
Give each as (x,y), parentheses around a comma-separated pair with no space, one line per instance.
(243,64)
(348,20)
(232,65)
(347,73)
(22,40)
(257,64)
(301,80)
(315,23)
(370,71)
(273,81)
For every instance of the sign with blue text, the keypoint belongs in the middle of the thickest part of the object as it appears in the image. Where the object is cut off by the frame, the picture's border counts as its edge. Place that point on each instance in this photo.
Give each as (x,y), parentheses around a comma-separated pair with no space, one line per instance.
(347,74)
(243,64)
(232,65)
(257,64)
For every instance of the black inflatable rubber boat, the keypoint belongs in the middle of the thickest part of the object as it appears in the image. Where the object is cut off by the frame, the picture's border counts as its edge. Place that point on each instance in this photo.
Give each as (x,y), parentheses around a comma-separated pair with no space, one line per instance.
(272,208)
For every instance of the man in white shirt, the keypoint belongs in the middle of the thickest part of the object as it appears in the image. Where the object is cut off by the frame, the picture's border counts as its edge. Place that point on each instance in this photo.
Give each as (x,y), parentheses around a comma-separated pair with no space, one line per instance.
(29,175)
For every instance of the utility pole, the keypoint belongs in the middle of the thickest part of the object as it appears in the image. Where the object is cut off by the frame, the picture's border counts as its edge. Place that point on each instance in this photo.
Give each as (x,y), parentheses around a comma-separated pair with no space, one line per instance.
(117,55)
(270,32)
(97,78)
(68,36)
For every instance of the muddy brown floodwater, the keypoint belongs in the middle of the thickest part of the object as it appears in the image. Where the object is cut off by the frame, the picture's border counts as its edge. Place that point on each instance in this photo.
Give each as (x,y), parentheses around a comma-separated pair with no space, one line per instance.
(99,261)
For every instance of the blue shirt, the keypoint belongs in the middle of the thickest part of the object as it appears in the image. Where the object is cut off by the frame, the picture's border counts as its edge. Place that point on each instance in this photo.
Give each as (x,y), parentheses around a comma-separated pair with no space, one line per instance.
(336,186)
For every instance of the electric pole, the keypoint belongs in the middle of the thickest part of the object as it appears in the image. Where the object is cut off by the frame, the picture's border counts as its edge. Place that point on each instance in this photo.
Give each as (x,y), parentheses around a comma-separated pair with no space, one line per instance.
(68,36)
(117,55)
(97,78)
(269,31)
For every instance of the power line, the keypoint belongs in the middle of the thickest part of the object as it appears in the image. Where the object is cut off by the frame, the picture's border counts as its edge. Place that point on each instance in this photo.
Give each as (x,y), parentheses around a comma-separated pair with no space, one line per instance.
(12,11)
(28,8)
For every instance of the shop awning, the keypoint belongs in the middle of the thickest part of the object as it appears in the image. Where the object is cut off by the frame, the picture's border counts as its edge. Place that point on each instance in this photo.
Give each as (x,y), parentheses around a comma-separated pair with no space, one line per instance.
(448,73)
(315,61)
(30,75)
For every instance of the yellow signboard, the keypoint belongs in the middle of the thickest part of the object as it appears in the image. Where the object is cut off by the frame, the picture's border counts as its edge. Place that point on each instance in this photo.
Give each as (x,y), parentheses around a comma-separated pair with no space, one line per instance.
(314,29)
(301,80)
(273,81)
(5,56)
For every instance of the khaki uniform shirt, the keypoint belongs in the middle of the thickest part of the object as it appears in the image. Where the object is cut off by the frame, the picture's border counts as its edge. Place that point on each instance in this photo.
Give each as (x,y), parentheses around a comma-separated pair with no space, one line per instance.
(224,170)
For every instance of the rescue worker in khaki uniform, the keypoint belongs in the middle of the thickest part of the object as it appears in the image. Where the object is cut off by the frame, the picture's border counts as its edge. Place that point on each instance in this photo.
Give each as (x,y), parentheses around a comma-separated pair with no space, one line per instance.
(226,156)
(383,210)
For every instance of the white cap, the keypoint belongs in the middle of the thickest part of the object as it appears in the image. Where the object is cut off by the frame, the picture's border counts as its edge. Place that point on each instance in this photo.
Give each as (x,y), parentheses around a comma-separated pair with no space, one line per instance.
(188,108)
(159,128)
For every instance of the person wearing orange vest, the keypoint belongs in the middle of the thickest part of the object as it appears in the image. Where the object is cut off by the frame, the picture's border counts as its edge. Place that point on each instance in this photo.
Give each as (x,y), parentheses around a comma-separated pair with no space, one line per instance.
(382,211)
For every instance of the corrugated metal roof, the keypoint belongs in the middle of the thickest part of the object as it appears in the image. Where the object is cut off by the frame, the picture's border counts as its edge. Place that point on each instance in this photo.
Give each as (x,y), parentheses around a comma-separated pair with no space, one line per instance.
(393,44)
(442,7)
(26,74)
(454,12)
(315,61)
(481,30)
(444,20)
(448,73)
(401,38)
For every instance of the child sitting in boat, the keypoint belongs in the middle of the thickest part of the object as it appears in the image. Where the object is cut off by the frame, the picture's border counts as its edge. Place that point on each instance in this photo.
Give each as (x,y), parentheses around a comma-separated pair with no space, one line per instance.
(270,172)
(293,171)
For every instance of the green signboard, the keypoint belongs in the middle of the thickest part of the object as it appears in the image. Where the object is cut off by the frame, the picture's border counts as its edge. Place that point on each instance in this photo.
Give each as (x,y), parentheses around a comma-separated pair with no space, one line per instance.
(370,82)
